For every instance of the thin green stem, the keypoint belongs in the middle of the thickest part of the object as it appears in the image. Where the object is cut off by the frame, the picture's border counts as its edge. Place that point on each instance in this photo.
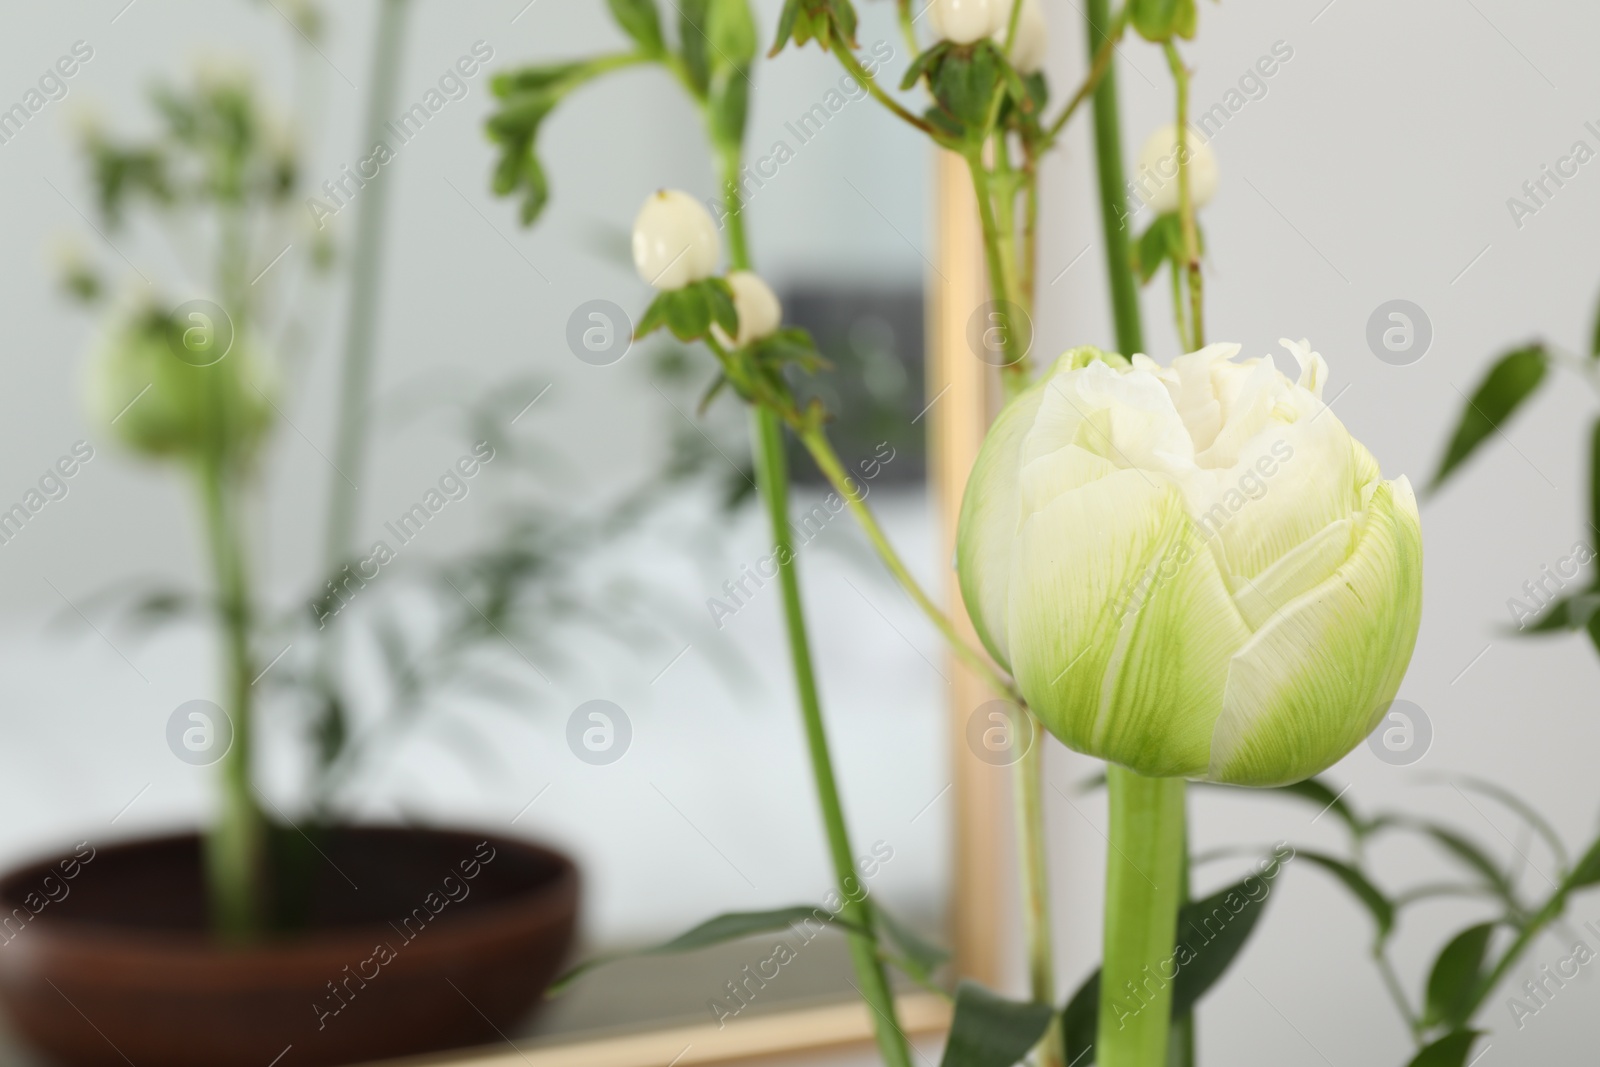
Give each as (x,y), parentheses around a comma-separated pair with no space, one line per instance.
(1016,331)
(1531,929)
(235,852)
(1397,991)
(848,59)
(1191,232)
(1144,882)
(1098,66)
(908,26)
(827,460)
(1032,857)
(1181,1044)
(773,478)
(1113,191)
(366,262)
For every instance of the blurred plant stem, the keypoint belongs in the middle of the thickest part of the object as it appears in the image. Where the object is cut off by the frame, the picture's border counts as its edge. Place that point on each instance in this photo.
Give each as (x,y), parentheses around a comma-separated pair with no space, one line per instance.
(772,476)
(355,381)
(235,854)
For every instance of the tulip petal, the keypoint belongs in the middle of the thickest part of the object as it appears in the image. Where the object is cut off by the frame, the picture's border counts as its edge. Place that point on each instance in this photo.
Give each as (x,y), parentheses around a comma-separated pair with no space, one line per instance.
(1314,682)
(1319,475)
(990,513)
(1121,626)
(1305,566)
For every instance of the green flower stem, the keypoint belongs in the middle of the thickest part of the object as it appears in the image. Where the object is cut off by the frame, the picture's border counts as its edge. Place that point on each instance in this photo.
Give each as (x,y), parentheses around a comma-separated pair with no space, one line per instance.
(1098,67)
(1113,192)
(868,82)
(1017,335)
(1144,882)
(1181,1045)
(873,984)
(235,846)
(772,477)
(1191,232)
(817,443)
(1032,857)
(366,262)
(908,26)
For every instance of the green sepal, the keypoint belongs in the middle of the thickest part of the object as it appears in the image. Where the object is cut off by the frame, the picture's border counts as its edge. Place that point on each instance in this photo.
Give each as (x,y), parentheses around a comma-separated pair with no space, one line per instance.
(925,64)
(689,312)
(731,29)
(965,84)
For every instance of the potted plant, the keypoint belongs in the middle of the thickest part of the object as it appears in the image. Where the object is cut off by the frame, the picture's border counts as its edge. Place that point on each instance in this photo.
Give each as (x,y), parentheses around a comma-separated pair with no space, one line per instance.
(267,932)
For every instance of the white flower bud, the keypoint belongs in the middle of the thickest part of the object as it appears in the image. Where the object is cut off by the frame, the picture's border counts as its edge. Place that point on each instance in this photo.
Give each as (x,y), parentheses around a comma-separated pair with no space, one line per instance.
(674,240)
(966,21)
(1027,53)
(760,313)
(1155,176)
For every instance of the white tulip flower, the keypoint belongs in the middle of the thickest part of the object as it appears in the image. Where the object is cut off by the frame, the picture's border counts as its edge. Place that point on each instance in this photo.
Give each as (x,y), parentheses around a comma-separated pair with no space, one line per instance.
(966,21)
(1155,175)
(1192,571)
(1033,35)
(760,313)
(674,240)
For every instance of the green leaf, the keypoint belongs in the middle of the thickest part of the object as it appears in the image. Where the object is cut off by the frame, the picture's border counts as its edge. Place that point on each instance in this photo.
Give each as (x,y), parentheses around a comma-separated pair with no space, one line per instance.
(991,1031)
(1575,612)
(1455,977)
(533,79)
(693,43)
(1209,956)
(1529,814)
(920,957)
(1080,1022)
(1162,242)
(1510,381)
(730,926)
(1587,872)
(1379,905)
(639,20)
(1468,853)
(1320,795)
(1219,941)
(1449,1051)
(1161,20)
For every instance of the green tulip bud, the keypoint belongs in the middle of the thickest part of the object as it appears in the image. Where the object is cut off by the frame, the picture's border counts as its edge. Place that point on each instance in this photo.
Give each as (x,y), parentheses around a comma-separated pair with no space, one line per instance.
(1192,571)
(181,385)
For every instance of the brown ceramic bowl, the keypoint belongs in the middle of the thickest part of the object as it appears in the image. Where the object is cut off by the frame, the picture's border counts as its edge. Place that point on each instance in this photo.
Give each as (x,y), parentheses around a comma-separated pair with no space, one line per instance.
(403,953)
